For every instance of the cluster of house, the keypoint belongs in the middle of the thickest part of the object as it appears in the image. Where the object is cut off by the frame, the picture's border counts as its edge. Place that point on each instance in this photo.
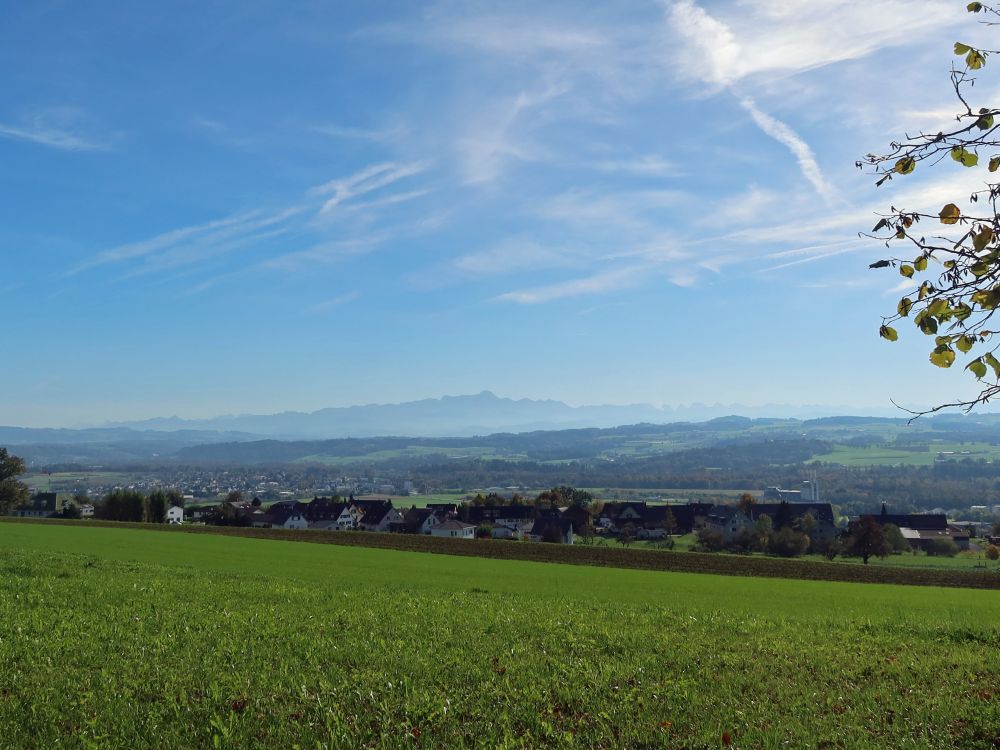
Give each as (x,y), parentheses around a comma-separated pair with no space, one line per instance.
(46,504)
(652,521)
(379,514)
(528,522)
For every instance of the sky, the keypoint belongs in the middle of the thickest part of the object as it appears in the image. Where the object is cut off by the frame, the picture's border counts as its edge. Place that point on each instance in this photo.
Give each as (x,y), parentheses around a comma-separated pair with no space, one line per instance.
(233,207)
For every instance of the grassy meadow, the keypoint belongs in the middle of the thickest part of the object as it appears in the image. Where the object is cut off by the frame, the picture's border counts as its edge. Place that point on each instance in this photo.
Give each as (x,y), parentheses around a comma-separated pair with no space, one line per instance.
(903,454)
(128,638)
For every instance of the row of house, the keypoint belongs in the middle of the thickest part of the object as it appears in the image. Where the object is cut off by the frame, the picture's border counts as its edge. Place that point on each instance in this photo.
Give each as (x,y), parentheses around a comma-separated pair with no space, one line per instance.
(380,515)
(651,521)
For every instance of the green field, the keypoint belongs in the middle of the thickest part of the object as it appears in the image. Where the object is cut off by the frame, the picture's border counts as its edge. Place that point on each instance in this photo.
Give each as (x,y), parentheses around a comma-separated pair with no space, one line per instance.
(128,638)
(919,454)
(68,481)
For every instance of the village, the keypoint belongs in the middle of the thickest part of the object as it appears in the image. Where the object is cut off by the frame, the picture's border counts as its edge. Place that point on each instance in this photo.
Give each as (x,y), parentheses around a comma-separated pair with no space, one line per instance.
(787,523)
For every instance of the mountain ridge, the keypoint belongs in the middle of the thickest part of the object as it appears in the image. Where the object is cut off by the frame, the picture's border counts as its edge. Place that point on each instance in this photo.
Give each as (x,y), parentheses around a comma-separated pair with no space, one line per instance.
(463,416)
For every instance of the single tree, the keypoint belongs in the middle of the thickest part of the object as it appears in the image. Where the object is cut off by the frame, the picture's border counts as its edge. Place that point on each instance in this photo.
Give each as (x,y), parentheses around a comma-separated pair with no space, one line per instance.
(669,523)
(992,552)
(627,535)
(954,264)
(12,492)
(895,538)
(867,540)
(788,542)
(746,502)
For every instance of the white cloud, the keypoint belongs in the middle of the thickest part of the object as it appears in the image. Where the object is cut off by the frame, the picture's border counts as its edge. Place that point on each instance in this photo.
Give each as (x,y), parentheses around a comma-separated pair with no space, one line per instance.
(599,283)
(366,181)
(643,166)
(799,148)
(511,256)
(56,127)
(780,37)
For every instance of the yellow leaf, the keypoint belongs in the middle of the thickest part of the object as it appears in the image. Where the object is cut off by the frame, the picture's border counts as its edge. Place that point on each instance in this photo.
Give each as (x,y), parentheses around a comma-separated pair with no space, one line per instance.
(949,214)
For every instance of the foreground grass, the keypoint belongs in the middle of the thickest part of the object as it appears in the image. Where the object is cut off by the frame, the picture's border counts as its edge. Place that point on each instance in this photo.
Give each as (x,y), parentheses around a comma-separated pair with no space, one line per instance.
(124,638)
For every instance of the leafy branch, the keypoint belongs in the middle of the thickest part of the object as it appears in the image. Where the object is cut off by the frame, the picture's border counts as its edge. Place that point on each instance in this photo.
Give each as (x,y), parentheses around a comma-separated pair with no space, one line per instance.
(957,298)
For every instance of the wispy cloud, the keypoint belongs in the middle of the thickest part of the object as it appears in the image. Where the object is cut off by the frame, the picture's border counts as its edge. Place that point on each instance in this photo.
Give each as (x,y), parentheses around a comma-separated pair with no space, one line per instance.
(512,256)
(378,135)
(58,127)
(784,135)
(643,166)
(363,182)
(333,302)
(779,37)
(599,283)
(258,229)
(323,253)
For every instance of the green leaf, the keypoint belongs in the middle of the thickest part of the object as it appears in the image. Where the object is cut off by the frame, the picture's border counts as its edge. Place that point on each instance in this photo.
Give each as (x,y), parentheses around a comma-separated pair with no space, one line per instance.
(977,367)
(973,8)
(880,264)
(949,214)
(888,333)
(968,158)
(920,263)
(905,165)
(904,306)
(995,163)
(964,344)
(943,356)
(906,270)
(992,362)
(937,307)
(985,122)
(975,60)
(928,326)
(982,239)
(962,49)
(980,269)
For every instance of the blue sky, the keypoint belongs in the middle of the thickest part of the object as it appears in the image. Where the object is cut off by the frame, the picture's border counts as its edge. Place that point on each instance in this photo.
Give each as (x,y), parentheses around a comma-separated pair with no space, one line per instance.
(223,207)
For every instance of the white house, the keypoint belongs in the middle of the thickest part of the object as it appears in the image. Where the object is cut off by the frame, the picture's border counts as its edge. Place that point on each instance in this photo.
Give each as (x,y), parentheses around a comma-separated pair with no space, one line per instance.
(296,521)
(379,519)
(175,515)
(512,528)
(456,529)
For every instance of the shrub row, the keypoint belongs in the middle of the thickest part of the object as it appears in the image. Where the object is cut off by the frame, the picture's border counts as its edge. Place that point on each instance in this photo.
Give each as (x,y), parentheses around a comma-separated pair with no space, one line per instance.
(682,562)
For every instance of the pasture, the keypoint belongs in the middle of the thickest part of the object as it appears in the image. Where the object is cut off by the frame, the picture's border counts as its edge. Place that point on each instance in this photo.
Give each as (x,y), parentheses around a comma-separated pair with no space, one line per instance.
(129,638)
(909,454)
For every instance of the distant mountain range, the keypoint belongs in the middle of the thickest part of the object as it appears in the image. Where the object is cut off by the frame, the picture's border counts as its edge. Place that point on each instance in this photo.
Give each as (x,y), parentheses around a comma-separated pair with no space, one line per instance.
(463,416)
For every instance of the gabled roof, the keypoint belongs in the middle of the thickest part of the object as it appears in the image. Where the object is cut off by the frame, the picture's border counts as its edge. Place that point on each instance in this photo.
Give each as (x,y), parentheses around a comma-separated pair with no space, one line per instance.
(455,525)
(819,511)
(918,521)
(374,516)
(541,525)
(480,513)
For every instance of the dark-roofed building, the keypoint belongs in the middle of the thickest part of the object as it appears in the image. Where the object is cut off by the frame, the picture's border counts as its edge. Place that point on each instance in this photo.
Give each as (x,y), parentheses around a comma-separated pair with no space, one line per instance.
(380,518)
(42,505)
(650,520)
(551,528)
(921,530)
(416,521)
(477,514)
